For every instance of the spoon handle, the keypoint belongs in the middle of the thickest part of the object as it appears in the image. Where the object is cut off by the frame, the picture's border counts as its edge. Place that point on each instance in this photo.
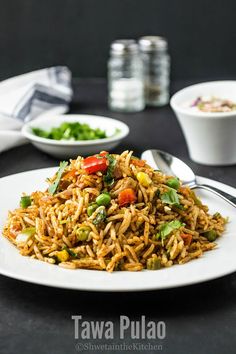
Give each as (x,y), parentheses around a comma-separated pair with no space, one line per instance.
(223,195)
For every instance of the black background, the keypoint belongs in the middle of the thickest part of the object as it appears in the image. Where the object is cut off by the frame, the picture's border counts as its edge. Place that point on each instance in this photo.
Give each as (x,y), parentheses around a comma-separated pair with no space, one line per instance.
(40,33)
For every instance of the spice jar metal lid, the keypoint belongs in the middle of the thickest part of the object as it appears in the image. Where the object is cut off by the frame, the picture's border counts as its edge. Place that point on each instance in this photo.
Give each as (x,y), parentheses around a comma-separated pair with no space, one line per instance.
(152,43)
(124,46)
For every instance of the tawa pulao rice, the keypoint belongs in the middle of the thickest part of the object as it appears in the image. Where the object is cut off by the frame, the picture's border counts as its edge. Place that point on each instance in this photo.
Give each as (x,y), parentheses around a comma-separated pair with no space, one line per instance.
(157,224)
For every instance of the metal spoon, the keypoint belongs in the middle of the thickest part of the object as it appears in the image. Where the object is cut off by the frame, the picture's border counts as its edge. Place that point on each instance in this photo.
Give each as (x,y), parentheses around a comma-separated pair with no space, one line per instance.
(171,165)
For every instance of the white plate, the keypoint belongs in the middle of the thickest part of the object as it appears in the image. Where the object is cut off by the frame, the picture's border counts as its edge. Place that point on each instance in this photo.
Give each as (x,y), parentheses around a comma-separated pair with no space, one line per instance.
(66,149)
(211,265)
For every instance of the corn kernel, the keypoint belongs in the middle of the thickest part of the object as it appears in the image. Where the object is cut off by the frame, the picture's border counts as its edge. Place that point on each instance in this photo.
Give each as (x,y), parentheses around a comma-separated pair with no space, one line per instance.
(63,256)
(143,179)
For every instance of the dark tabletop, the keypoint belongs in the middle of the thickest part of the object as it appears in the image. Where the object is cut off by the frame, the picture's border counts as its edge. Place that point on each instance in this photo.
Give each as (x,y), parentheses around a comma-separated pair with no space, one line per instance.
(199,318)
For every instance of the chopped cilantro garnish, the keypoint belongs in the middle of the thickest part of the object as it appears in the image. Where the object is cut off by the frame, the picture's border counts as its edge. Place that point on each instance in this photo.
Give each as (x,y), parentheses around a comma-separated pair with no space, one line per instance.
(53,187)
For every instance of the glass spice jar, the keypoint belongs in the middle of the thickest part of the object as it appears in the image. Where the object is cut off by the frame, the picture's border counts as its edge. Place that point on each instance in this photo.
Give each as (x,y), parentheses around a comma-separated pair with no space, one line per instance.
(125,77)
(154,51)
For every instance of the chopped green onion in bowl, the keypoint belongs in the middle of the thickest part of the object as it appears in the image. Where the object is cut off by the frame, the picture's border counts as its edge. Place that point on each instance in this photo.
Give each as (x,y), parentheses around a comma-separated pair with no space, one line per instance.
(71,131)
(102,134)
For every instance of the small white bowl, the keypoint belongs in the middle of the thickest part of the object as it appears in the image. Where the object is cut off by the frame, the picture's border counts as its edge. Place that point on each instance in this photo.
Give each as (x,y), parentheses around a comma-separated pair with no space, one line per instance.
(69,149)
(210,136)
